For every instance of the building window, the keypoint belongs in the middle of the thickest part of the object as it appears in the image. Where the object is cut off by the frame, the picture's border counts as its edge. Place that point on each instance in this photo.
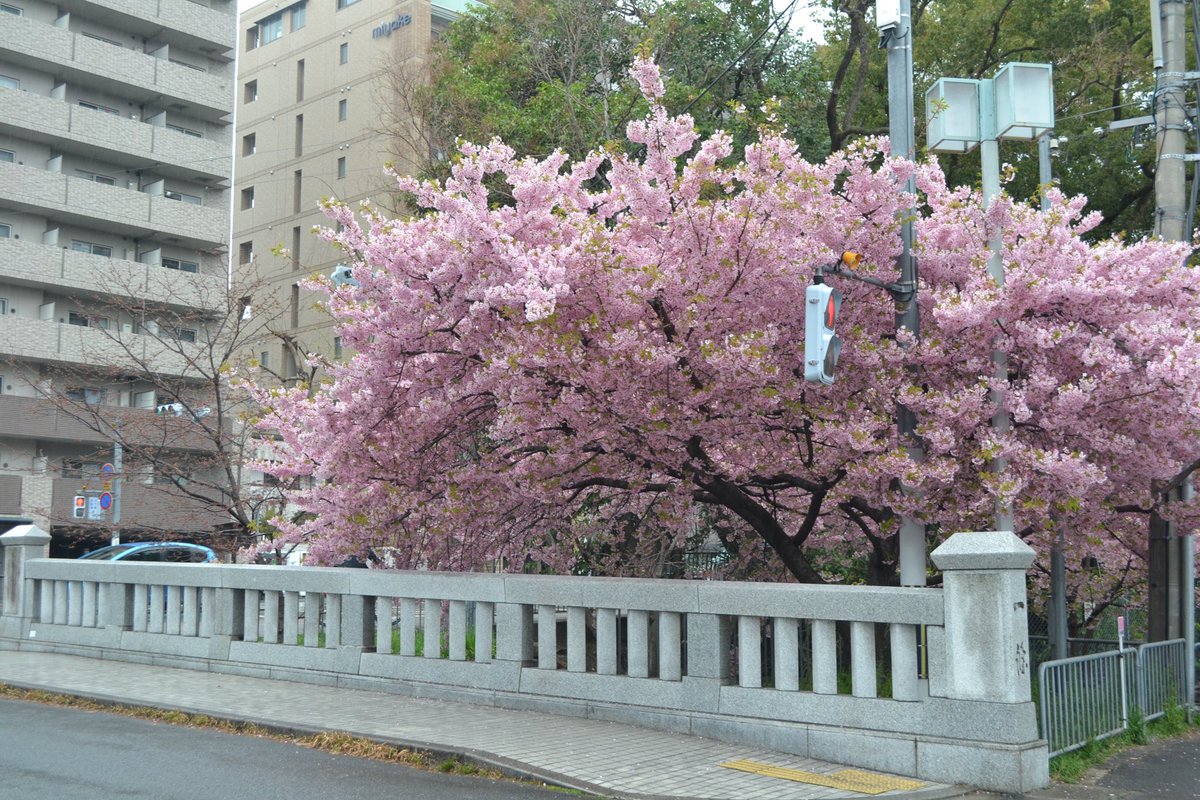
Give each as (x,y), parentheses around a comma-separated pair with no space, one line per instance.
(93,396)
(296,247)
(91,247)
(252,37)
(5,8)
(9,83)
(185,131)
(297,189)
(341,167)
(344,53)
(264,359)
(343,110)
(299,80)
(299,15)
(3,311)
(95,177)
(185,335)
(7,155)
(299,134)
(345,3)
(84,321)
(99,107)
(250,92)
(183,197)
(249,144)
(270,28)
(337,347)
(5,230)
(247,198)
(246,253)
(295,306)
(182,266)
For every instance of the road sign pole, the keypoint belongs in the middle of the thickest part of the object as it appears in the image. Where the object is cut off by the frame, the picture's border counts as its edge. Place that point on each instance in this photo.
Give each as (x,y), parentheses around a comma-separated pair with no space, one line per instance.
(116,489)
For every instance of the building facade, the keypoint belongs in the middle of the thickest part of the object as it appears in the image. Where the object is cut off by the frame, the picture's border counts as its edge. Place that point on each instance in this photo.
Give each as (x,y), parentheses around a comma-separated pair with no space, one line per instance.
(316,111)
(115,172)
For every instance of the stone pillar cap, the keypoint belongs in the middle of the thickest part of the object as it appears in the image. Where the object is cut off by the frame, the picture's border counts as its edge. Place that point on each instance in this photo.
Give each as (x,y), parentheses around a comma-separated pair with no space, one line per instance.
(24,535)
(983,550)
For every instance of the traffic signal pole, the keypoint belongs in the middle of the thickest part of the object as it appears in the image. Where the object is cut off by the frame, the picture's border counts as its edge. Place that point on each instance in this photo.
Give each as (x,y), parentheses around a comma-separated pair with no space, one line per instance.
(895,25)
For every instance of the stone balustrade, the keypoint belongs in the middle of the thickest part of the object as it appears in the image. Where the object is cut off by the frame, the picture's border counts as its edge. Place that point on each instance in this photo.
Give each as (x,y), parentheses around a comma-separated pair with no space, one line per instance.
(742,662)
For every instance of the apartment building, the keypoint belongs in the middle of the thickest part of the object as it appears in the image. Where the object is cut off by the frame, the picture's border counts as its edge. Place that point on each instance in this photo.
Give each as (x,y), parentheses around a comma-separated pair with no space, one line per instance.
(115,171)
(313,106)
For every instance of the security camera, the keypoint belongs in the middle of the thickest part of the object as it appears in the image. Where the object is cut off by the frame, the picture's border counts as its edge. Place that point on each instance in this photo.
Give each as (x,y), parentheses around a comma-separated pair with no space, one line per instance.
(342,275)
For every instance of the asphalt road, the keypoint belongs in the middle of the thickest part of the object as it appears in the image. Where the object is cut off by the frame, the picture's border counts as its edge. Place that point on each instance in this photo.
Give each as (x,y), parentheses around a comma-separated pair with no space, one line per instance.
(54,753)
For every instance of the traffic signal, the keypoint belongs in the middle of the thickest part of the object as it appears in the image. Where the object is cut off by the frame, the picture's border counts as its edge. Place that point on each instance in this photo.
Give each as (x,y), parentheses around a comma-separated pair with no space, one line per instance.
(821,345)
(80,508)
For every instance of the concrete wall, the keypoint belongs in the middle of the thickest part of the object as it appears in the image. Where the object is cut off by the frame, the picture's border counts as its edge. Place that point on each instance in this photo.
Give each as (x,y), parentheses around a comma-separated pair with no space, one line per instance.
(676,655)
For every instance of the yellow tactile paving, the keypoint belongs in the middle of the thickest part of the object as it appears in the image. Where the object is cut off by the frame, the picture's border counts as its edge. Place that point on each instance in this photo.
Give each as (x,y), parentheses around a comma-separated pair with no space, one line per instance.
(851,780)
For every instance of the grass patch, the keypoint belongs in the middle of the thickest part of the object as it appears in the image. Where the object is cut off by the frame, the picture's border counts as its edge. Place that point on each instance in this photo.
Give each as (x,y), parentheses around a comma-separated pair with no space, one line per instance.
(334,742)
(1071,767)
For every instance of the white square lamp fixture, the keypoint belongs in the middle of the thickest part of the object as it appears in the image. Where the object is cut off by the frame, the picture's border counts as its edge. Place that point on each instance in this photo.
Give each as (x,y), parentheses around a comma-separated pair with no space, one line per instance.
(1017,104)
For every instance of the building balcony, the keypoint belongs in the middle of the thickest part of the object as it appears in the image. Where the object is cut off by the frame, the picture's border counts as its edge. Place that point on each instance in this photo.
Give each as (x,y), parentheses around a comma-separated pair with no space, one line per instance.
(119,70)
(125,211)
(69,272)
(186,23)
(156,507)
(108,137)
(54,342)
(48,421)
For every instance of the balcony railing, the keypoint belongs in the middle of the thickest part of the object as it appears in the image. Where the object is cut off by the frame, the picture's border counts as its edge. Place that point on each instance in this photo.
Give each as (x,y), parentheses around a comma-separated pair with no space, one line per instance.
(76,57)
(133,213)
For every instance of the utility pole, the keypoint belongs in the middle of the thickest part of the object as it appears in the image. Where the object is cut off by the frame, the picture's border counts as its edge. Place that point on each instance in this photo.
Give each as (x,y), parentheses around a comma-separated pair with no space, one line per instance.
(1170,123)
(1166,561)
(894,20)
(1057,616)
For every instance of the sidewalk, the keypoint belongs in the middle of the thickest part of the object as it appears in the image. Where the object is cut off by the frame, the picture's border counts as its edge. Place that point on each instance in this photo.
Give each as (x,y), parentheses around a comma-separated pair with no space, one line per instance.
(602,758)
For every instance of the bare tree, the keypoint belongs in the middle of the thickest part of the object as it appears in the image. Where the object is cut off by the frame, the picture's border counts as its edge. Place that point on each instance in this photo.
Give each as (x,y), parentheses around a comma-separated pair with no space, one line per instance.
(157,390)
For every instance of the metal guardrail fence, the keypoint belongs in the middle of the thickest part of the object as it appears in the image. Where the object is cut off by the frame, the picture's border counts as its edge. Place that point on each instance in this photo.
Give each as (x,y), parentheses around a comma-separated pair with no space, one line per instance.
(1090,697)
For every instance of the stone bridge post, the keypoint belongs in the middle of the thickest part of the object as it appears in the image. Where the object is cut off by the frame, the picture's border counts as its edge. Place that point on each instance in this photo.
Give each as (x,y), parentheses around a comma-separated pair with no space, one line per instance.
(19,545)
(983,655)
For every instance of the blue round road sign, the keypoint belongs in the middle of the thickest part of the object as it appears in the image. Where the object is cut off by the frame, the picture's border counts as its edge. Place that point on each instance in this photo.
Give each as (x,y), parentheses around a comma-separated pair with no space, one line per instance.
(106,501)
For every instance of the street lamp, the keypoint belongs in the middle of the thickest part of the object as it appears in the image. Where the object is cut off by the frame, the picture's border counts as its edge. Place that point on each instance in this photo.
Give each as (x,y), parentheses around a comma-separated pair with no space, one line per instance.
(962,114)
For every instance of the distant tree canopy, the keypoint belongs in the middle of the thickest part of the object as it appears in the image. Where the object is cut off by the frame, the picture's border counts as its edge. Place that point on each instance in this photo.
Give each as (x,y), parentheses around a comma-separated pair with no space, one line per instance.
(1103,72)
(547,74)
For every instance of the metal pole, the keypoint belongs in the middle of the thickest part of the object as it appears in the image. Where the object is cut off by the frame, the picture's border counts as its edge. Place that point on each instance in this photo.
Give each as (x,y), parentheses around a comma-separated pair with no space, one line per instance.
(1058,598)
(1045,173)
(903,138)
(989,152)
(116,492)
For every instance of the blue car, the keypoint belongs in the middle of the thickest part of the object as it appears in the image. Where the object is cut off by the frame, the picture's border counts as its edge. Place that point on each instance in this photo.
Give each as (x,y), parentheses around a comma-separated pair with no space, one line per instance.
(173,552)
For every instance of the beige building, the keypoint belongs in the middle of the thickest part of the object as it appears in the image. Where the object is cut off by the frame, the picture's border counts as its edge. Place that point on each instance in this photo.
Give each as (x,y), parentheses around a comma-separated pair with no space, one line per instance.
(313,108)
(115,169)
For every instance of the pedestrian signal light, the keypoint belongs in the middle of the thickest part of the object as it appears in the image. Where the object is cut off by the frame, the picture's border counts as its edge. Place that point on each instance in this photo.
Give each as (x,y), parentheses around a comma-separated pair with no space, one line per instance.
(80,507)
(821,346)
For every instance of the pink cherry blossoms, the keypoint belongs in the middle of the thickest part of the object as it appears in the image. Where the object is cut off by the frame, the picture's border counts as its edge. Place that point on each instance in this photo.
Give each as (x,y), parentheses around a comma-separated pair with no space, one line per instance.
(609,362)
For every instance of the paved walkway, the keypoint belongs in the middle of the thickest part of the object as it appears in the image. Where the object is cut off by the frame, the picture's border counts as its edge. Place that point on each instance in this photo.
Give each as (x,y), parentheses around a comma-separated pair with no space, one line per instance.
(603,758)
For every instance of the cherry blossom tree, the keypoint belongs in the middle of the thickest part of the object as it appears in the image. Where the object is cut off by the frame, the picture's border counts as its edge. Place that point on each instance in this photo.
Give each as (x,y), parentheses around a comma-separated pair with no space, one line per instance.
(584,373)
